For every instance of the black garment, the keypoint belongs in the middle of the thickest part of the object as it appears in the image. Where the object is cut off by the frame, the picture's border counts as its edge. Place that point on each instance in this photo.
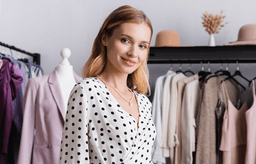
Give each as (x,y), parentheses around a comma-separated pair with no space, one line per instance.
(219,113)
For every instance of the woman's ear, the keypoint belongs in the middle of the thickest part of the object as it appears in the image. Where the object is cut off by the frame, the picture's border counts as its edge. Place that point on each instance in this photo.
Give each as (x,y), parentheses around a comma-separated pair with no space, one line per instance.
(104,39)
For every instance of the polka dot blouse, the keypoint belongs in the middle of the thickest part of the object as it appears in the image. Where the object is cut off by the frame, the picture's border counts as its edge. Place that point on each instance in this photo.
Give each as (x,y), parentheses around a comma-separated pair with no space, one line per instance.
(98,131)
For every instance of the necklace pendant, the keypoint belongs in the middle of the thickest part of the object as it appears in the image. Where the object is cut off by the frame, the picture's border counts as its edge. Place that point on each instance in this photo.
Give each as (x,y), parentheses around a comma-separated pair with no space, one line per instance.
(130,103)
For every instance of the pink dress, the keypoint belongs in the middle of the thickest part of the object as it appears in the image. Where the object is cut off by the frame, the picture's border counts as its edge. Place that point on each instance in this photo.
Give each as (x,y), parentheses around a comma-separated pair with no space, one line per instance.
(233,140)
(250,115)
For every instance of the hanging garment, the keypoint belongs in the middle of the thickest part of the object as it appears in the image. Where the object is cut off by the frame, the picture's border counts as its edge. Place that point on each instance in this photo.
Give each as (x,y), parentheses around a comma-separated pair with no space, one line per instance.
(97,129)
(22,71)
(206,123)
(33,70)
(250,116)
(171,135)
(187,127)
(18,101)
(27,71)
(233,140)
(43,111)
(10,82)
(15,136)
(13,147)
(219,113)
(166,105)
(180,91)
(36,71)
(157,153)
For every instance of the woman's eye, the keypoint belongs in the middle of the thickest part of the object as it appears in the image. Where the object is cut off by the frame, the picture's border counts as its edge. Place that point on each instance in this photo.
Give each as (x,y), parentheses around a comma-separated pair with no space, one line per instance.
(143,46)
(125,40)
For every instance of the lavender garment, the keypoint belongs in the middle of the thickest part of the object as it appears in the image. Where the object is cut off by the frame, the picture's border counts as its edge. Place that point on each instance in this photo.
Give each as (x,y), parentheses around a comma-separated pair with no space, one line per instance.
(15,136)
(10,82)
(23,74)
(18,102)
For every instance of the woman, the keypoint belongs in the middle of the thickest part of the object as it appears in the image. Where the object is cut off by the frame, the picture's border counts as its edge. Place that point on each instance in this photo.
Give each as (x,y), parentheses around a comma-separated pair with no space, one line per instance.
(108,120)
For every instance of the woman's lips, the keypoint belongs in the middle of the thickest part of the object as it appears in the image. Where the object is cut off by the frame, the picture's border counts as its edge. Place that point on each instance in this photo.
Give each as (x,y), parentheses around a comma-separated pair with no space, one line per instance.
(128,62)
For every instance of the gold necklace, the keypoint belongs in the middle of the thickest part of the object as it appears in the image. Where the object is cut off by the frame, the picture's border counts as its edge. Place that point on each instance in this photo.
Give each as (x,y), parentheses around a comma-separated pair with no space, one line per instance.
(130,102)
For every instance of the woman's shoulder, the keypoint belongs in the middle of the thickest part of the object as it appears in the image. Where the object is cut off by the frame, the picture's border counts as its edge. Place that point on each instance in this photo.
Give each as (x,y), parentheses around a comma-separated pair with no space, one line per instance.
(87,84)
(89,81)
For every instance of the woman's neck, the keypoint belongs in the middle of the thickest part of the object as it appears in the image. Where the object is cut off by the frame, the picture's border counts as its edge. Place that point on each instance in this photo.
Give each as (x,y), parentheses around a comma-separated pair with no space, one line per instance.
(118,81)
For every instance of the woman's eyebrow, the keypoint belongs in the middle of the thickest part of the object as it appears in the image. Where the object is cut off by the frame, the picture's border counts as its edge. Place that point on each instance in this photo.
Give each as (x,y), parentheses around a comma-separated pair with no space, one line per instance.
(132,38)
(126,35)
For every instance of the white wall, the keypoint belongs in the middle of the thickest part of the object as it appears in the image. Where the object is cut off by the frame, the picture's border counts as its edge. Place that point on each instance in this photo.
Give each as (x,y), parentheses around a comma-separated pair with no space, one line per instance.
(47,26)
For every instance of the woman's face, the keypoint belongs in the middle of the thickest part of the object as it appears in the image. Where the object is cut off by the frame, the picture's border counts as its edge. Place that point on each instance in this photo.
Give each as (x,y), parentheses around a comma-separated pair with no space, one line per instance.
(128,47)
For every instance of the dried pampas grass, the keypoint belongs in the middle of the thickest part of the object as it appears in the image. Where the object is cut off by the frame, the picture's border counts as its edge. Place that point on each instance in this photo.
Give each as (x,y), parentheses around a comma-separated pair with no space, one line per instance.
(212,23)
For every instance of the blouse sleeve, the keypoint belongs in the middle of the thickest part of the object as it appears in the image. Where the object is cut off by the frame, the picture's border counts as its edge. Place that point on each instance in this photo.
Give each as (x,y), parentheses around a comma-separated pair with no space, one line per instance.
(74,145)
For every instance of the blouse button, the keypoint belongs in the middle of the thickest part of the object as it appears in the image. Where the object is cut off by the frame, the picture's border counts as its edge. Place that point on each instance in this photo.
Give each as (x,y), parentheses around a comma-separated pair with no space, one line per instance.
(49,146)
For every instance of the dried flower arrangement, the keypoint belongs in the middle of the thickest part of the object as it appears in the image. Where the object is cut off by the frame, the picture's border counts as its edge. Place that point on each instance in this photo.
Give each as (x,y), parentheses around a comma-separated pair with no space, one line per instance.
(212,23)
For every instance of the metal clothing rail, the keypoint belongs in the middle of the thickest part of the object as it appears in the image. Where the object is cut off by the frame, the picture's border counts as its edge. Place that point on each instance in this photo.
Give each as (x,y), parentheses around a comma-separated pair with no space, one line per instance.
(36,56)
(203,54)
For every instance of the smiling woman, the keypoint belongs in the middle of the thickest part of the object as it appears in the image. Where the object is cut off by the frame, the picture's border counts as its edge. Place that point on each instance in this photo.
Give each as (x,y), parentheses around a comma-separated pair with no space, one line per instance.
(98,59)
(109,118)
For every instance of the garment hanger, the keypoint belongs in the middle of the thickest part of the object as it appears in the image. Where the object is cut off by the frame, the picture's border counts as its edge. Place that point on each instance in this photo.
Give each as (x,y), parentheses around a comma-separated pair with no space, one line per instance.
(171,67)
(2,54)
(6,52)
(25,60)
(3,57)
(7,57)
(189,70)
(200,73)
(238,73)
(179,70)
(11,52)
(221,71)
(253,79)
(203,74)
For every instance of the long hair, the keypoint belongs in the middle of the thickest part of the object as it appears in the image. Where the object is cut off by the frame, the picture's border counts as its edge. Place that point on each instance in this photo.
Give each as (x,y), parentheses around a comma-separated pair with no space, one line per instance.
(138,80)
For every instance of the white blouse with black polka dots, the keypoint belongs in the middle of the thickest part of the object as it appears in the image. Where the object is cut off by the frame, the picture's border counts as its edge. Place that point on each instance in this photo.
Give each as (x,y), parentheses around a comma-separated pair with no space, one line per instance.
(98,131)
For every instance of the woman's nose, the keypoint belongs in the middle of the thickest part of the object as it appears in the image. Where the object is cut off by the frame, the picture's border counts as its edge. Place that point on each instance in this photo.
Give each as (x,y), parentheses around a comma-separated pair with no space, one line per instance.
(132,52)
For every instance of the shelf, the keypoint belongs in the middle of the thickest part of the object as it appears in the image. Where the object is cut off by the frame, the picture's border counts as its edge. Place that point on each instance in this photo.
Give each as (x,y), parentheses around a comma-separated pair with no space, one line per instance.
(204,54)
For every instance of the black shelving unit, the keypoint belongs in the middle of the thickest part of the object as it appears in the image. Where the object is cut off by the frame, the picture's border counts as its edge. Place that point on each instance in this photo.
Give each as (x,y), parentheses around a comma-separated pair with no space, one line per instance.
(203,54)
(36,56)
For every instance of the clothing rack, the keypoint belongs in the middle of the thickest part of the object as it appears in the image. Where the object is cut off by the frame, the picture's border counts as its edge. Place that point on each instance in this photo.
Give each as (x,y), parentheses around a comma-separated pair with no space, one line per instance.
(202,54)
(36,56)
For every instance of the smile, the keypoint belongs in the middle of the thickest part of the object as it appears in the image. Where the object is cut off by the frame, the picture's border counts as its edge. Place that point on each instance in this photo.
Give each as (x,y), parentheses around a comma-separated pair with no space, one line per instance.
(128,62)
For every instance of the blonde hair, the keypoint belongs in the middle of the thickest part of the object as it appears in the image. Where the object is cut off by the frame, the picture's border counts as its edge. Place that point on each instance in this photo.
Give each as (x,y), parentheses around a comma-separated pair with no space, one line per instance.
(95,65)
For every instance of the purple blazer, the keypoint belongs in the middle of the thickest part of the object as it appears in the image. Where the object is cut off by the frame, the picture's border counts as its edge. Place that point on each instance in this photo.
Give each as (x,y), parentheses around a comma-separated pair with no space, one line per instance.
(43,110)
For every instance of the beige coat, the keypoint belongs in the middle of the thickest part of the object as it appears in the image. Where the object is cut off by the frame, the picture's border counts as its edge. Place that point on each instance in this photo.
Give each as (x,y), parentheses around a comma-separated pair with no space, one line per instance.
(187,121)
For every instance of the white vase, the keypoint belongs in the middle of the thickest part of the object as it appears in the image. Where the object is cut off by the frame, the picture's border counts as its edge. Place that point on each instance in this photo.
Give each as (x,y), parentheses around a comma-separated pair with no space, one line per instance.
(212,41)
